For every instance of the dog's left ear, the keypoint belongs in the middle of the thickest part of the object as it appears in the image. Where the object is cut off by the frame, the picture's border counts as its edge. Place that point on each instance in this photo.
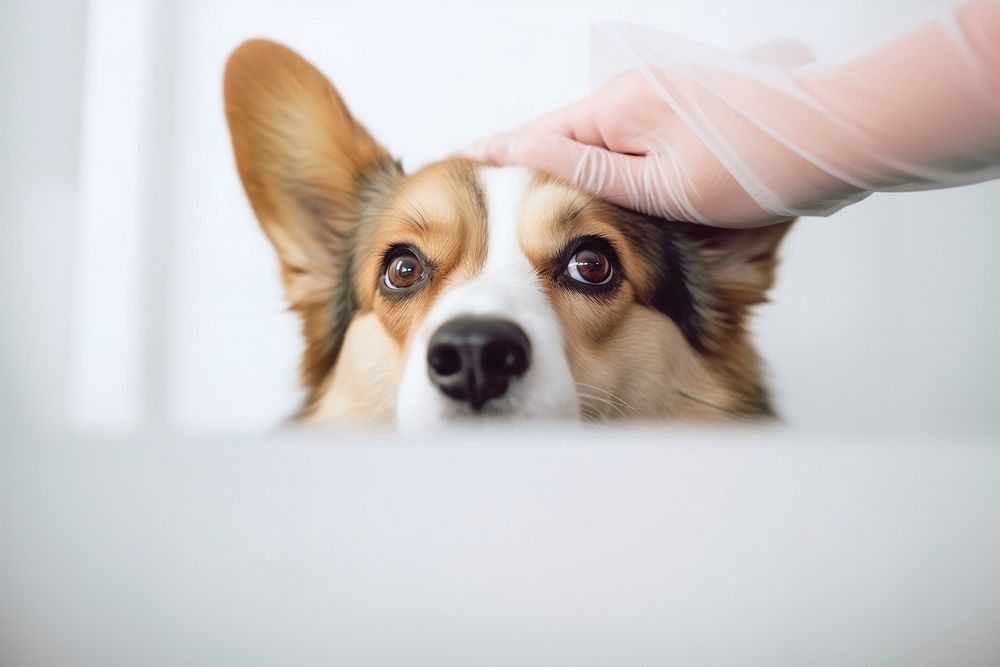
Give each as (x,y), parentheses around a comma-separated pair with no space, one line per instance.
(737,269)
(306,165)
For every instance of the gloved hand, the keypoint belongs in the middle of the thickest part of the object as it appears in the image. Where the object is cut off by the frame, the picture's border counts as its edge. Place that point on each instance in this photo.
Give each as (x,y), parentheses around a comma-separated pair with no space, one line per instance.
(685,132)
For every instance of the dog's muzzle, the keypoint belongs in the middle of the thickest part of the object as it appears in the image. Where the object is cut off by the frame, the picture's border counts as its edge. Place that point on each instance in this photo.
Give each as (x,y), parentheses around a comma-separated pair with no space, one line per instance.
(474,359)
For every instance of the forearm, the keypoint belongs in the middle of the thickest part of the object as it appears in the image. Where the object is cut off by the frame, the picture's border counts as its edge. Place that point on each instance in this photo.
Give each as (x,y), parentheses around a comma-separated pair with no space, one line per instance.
(925,108)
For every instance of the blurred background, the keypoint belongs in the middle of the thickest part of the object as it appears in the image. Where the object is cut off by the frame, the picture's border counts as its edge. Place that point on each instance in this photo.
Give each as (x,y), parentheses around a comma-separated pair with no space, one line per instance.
(138,292)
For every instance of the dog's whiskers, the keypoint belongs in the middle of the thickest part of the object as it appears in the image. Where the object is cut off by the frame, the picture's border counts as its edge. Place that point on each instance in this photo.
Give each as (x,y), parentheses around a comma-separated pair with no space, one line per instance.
(594,410)
(615,397)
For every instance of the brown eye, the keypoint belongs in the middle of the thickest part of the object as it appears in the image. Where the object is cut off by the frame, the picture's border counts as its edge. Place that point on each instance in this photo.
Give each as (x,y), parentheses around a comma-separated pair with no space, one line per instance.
(590,266)
(404,270)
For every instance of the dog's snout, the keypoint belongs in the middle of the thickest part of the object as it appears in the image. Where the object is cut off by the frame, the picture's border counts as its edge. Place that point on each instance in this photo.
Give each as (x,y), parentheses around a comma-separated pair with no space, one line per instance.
(473,359)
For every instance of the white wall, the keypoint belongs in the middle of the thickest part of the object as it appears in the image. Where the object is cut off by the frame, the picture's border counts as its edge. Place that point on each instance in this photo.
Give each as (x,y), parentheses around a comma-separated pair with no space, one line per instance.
(885,315)
(41,63)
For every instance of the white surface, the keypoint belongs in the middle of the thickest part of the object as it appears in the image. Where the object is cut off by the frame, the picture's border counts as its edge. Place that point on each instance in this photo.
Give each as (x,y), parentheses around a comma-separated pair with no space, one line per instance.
(584,548)
(885,316)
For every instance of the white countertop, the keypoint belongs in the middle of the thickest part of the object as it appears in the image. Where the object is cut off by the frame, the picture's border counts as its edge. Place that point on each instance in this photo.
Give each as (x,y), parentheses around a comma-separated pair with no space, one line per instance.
(542,546)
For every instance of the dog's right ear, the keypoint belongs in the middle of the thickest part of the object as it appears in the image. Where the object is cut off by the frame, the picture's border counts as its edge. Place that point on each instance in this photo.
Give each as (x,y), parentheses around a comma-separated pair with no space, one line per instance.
(305,163)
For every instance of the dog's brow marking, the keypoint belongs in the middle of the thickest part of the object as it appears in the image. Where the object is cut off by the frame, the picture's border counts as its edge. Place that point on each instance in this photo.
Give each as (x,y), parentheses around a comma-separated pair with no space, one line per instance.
(403,217)
(419,220)
(573,210)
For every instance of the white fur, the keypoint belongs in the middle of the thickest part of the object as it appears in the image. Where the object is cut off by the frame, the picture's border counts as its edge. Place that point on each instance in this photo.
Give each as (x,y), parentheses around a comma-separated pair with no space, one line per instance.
(507,287)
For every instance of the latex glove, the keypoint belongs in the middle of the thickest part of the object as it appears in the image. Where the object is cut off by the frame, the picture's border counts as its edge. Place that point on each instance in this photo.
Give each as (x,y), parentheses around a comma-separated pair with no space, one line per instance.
(686,132)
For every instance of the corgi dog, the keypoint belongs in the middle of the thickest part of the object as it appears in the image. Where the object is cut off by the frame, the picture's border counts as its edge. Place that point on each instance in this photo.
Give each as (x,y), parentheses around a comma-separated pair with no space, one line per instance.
(469,293)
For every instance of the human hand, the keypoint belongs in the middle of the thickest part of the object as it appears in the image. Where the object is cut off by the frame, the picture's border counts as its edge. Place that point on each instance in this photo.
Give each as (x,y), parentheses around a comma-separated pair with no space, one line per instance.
(625,144)
(689,133)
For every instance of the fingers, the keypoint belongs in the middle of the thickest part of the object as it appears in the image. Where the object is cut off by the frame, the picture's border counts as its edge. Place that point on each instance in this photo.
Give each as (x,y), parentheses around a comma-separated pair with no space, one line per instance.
(661,184)
(645,184)
(591,168)
(546,151)
(575,121)
(551,152)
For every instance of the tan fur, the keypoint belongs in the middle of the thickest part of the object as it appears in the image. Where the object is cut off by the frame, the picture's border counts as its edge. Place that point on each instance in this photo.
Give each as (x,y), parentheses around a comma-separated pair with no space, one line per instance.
(439,210)
(635,361)
(300,155)
(361,390)
(324,190)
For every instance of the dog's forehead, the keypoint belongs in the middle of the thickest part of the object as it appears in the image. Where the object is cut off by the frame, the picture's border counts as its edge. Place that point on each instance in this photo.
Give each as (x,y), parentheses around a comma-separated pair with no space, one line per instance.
(510,210)
(472,220)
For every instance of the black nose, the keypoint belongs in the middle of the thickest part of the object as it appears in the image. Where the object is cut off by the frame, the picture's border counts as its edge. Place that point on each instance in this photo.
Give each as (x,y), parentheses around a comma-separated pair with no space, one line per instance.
(473,359)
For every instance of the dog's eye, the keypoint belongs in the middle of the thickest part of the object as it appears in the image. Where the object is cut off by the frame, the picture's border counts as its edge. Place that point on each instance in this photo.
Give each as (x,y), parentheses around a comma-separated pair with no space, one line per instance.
(403,270)
(590,266)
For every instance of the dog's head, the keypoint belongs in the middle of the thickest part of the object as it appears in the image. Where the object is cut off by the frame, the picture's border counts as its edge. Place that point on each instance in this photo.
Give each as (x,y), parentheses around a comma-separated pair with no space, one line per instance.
(467,292)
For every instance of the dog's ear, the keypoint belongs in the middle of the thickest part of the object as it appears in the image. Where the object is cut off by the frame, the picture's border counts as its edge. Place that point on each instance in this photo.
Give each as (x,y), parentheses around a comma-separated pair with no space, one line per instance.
(306,165)
(734,270)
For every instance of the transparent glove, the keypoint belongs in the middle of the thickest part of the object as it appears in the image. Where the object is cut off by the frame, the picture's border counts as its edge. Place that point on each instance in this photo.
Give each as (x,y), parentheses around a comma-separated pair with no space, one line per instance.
(682,131)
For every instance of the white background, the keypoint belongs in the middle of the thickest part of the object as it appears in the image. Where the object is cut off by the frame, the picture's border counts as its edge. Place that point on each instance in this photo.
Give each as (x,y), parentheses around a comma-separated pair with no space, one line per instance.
(139,292)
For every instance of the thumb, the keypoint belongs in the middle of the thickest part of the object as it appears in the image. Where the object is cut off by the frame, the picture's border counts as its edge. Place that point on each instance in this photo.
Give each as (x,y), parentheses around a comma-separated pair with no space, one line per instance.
(591,168)
(538,150)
